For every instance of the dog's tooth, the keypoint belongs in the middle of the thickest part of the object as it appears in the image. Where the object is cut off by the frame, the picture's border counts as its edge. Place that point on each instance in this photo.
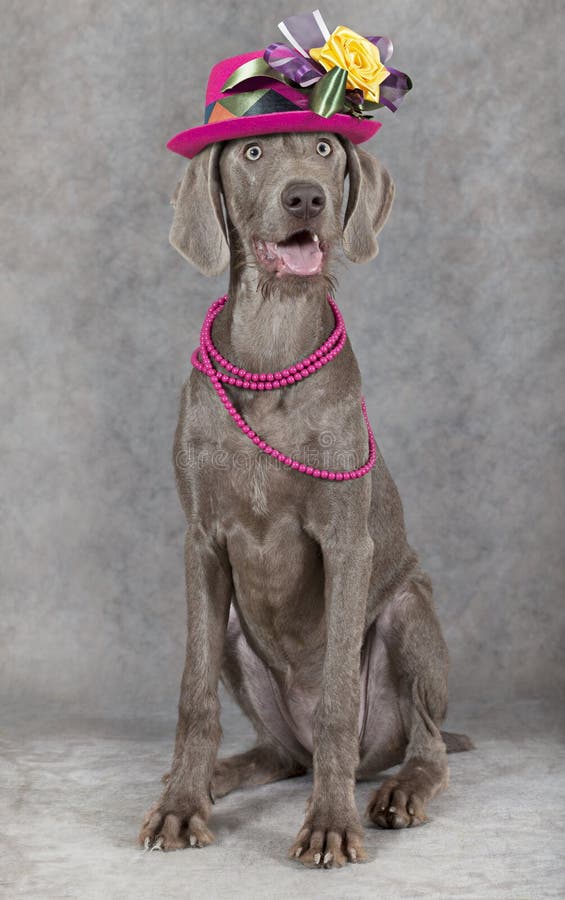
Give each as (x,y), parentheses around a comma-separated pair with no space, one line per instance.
(316,238)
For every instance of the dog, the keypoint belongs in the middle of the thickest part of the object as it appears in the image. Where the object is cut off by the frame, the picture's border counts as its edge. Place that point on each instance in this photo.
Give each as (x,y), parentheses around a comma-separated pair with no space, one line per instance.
(303,595)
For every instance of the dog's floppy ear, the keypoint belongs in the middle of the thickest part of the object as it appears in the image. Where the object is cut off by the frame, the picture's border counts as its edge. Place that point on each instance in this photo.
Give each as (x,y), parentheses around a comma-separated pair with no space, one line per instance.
(198,231)
(371,191)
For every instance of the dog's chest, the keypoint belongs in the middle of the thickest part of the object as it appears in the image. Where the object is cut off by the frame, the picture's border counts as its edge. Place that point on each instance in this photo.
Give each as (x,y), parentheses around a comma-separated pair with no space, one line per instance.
(279,589)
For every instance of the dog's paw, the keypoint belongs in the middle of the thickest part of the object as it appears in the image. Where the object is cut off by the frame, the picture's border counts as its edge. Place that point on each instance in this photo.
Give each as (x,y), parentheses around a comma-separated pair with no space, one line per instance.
(174,827)
(396,805)
(323,843)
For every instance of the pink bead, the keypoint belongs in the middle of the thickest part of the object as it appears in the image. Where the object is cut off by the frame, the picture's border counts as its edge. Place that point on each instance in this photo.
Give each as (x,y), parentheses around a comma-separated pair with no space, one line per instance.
(291,379)
(268,449)
(316,473)
(309,470)
(318,365)
(262,445)
(255,377)
(246,429)
(246,384)
(312,358)
(251,433)
(283,382)
(231,380)
(256,440)
(346,476)
(293,370)
(302,467)
(287,461)
(339,476)
(278,376)
(298,377)
(299,365)
(311,369)
(323,474)
(268,386)
(262,376)
(260,386)
(270,376)
(295,465)
(276,383)
(285,373)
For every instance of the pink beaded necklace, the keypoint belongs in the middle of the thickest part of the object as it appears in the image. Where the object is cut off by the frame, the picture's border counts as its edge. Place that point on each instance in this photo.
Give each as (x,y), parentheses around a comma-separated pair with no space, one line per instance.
(268,381)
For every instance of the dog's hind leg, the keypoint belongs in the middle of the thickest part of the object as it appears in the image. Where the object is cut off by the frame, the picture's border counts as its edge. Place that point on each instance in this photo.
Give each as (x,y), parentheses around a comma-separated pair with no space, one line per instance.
(262,764)
(419,660)
(278,753)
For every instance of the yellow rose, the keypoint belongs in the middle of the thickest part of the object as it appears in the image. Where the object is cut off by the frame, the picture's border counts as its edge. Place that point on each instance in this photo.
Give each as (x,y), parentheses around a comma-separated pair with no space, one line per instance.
(351,51)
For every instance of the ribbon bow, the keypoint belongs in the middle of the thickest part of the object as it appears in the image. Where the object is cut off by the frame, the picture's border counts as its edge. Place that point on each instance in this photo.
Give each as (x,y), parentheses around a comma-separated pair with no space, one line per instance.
(341,72)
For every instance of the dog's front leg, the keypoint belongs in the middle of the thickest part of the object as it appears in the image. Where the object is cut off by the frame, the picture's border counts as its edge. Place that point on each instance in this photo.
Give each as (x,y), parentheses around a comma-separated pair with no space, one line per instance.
(332,833)
(180,816)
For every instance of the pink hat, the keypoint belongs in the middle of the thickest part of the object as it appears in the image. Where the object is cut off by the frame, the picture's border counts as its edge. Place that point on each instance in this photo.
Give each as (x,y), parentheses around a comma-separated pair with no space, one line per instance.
(270,107)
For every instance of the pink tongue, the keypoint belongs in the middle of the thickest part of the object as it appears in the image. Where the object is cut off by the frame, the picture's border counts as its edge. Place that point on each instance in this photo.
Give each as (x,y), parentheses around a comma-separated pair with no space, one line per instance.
(304,258)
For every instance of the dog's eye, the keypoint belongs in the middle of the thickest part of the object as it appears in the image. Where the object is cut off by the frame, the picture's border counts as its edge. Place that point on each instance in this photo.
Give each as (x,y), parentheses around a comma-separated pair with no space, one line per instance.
(254,152)
(323,148)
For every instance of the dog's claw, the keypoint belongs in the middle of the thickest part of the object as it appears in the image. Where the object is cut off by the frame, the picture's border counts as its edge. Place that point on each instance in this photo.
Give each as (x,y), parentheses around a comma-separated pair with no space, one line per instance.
(353,854)
(317,858)
(298,852)
(328,858)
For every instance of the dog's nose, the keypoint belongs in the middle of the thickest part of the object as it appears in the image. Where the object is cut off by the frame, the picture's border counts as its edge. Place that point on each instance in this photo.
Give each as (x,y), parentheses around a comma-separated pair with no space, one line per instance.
(303,199)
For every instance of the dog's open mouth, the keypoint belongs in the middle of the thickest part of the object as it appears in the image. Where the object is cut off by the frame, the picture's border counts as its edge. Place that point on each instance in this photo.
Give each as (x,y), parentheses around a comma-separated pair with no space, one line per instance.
(300,254)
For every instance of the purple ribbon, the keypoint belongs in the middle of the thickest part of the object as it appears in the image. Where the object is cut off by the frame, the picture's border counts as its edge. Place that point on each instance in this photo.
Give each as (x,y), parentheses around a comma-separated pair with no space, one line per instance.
(305,30)
(304,71)
(394,88)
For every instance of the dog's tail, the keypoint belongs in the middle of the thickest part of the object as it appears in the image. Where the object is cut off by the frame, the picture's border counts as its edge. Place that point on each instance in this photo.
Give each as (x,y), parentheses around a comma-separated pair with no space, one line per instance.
(457,743)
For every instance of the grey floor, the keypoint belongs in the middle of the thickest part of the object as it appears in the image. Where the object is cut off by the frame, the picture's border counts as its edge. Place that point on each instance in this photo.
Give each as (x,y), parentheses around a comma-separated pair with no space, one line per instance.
(76,787)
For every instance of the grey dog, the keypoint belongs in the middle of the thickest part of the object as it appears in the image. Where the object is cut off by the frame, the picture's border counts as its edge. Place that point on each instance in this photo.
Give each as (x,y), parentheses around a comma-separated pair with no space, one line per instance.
(303,594)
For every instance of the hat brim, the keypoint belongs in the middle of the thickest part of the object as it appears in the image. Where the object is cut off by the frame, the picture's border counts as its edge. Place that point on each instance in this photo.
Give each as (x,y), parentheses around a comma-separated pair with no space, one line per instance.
(189,143)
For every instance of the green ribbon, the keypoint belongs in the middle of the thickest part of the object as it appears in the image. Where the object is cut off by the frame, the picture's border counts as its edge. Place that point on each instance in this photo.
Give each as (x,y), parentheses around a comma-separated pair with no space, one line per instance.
(327,97)
(254,68)
(328,94)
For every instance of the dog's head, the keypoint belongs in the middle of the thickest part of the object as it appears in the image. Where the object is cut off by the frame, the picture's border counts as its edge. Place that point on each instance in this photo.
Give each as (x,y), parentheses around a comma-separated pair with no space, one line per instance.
(283,199)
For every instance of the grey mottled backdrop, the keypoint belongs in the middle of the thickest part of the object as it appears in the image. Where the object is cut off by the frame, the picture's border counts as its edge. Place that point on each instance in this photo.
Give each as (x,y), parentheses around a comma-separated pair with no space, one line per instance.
(458,326)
